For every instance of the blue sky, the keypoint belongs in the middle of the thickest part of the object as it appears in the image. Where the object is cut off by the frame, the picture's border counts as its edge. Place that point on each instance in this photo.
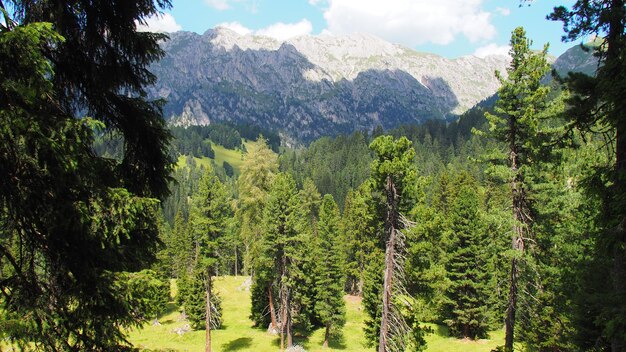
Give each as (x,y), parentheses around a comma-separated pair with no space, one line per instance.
(450,28)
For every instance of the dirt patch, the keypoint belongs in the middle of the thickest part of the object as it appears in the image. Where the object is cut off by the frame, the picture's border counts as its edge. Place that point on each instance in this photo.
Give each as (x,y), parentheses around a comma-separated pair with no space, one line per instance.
(353,299)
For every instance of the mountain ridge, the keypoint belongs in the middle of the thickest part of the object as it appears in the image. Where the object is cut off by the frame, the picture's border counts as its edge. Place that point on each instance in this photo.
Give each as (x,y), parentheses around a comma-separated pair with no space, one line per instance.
(310,86)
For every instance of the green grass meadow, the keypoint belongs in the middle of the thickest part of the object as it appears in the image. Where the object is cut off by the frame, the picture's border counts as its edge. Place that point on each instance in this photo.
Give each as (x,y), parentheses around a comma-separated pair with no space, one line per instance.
(231,156)
(238,334)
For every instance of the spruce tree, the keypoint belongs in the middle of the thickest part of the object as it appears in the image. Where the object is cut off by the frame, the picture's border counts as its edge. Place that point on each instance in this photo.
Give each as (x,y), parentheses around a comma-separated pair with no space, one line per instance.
(260,166)
(81,219)
(467,295)
(279,252)
(148,294)
(329,304)
(598,103)
(303,301)
(360,223)
(393,174)
(209,212)
(514,123)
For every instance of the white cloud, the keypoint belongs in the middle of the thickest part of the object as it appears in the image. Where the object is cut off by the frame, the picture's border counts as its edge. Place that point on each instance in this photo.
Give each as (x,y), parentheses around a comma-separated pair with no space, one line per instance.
(283,31)
(236,27)
(279,31)
(411,22)
(221,5)
(492,49)
(218,4)
(503,11)
(160,23)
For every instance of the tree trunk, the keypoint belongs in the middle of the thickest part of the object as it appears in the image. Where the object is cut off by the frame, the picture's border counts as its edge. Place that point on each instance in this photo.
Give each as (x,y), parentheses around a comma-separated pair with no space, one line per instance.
(509,321)
(207,322)
(614,52)
(390,225)
(272,311)
(520,218)
(236,264)
(283,322)
(618,269)
(288,321)
(326,336)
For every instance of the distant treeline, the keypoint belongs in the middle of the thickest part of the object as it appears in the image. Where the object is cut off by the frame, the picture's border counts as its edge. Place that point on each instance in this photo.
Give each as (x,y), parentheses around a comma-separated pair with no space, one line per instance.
(194,140)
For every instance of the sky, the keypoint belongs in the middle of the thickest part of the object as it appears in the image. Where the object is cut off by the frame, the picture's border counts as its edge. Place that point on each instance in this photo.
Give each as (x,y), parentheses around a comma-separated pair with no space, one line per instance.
(451,28)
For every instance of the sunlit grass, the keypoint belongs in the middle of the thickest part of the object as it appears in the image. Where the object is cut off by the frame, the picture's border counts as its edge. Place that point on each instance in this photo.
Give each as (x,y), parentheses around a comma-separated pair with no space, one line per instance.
(232,156)
(238,334)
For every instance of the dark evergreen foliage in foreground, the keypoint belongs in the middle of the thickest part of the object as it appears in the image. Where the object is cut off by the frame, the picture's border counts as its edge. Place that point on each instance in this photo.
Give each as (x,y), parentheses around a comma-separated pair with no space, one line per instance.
(71,220)
(519,224)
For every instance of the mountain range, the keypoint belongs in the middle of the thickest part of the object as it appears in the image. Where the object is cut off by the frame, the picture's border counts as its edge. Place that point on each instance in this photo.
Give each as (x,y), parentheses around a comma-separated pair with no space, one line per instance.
(311,86)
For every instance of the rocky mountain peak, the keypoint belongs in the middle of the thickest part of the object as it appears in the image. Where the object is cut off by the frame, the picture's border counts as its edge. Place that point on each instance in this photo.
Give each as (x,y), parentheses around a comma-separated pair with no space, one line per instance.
(315,85)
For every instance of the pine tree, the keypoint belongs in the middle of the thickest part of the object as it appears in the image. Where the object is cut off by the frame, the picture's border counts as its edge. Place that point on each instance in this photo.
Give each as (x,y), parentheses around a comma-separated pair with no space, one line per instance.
(148,294)
(59,62)
(329,304)
(181,247)
(466,305)
(258,170)
(597,103)
(209,211)
(279,253)
(303,300)
(394,175)
(515,123)
(192,291)
(360,224)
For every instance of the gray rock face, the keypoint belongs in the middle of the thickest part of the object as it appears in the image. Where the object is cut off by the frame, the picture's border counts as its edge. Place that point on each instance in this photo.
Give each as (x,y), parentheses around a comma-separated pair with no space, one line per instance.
(576,59)
(312,86)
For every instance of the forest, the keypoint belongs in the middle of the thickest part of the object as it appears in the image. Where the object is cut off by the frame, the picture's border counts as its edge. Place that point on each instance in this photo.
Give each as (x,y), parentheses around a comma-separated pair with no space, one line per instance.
(512,217)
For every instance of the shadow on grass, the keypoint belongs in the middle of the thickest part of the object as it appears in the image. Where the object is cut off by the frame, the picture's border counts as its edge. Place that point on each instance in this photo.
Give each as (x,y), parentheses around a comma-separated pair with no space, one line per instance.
(170,308)
(337,343)
(442,330)
(239,344)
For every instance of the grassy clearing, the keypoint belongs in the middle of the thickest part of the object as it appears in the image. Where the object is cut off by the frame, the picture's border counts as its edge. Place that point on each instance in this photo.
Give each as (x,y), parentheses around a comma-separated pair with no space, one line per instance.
(231,156)
(238,334)
(182,161)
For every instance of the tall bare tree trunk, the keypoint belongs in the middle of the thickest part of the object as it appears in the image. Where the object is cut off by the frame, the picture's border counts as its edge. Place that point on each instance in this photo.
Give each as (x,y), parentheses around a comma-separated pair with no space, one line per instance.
(390,227)
(520,221)
(207,322)
(236,260)
(272,311)
(284,303)
(288,321)
(326,336)
(509,321)
(282,327)
(618,270)
(615,43)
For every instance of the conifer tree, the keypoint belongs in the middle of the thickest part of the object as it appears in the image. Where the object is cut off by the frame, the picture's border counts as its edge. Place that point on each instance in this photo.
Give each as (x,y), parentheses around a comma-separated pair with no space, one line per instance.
(360,224)
(260,165)
(148,294)
(279,254)
(303,301)
(394,175)
(598,104)
(515,122)
(209,212)
(466,305)
(329,304)
(181,247)
(81,219)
